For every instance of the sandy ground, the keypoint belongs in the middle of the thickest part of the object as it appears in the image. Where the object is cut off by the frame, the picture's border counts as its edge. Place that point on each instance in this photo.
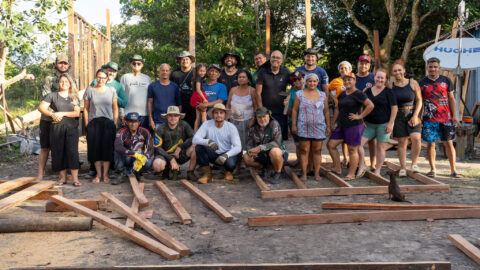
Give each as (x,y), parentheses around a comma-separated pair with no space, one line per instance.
(235,242)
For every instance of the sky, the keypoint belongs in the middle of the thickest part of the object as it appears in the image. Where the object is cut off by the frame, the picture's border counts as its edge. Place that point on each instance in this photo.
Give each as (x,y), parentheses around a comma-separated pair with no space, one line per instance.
(94,11)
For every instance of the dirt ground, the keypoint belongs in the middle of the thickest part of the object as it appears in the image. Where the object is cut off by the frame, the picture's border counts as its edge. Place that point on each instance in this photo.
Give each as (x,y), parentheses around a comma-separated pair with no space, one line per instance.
(235,242)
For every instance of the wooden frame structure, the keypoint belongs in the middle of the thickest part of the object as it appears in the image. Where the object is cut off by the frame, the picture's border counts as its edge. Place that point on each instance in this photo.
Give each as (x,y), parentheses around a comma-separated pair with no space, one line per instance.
(345,188)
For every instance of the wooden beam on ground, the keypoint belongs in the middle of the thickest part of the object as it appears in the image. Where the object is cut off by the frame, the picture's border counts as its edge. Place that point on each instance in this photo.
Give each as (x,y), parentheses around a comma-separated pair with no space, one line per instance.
(162,236)
(135,236)
(182,214)
(334,178)
(339,191)
(142,200)
(461,243)
(25,194)
(135,207)
(89,203)
(354,217)
(393,206)
(377,178)
(46,194)
(220,211)
(45,224)
(13,184)
(418,176)
(258,180)
(295,178)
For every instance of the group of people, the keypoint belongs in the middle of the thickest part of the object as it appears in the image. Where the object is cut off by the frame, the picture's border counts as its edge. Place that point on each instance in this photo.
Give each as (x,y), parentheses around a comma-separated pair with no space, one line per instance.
(207,115)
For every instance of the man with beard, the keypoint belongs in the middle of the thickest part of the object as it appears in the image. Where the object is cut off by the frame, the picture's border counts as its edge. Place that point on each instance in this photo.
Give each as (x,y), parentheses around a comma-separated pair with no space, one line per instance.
(217,141)
(182,76)
(265,145)
(61,66)
(311,58)
(271,82)
(228,75)
(439,115)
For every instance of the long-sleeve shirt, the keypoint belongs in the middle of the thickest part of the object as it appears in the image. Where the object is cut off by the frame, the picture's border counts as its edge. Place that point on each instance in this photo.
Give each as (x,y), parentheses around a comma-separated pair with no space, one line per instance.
(166,140)
(226,137)
(127,144)
(267,138)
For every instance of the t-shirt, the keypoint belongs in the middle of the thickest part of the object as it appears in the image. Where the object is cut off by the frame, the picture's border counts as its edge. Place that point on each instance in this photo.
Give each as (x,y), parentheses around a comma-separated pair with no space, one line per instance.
(273,84)
(122,99)
(100,102)
(350,104)
(59,103)
(167,140)
(365,82)
(227,80)
(215,91)
(163,96)
(320,72)
(136,90)
(435,99)
(383,103)
(51,85)
(184,82)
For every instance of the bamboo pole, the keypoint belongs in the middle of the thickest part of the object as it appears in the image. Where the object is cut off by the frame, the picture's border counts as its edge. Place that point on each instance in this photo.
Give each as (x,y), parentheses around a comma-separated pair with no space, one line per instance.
(308,23)
(267,33)
(191,28)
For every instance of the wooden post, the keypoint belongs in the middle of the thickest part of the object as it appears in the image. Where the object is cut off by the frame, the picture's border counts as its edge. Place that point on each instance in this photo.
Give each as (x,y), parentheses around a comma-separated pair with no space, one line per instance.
(81,82)
(308,23)
(71,39)
(464,92)
(267,33)
(109,36)
(439,29)
(191,28)
(90,66)
(376,49)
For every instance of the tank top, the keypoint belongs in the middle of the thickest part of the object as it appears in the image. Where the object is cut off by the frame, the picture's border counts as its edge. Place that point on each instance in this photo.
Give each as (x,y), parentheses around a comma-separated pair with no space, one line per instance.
(310,120)
(405,95)
(242,107)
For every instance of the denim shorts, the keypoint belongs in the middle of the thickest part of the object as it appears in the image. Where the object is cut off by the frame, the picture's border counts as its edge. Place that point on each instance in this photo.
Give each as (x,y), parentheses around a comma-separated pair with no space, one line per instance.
(376,131)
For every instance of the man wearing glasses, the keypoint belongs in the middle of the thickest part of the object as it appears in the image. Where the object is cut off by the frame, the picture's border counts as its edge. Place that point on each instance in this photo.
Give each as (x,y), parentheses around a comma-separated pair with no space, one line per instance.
(61,66)
(136,89)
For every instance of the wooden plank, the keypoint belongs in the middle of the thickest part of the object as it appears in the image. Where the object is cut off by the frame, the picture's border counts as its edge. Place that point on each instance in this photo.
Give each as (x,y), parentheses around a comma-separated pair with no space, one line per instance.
(339,191)
(162,236)
(334,178)
(377,178)
(142,200)
(393,206)
(418,176)
(376,49)
(461,243)
(46,194)
(71,39)
(45,224)
(258,180)
(308,23)
(135,207)
(295,178)
(135,236)
(13,184)
(25,194)
(354,217)
(182,214)
(89,203)
(109,36)
(220,211)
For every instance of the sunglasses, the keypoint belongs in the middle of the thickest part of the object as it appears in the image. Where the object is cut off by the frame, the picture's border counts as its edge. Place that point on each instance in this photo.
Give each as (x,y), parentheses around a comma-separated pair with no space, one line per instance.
(136,63)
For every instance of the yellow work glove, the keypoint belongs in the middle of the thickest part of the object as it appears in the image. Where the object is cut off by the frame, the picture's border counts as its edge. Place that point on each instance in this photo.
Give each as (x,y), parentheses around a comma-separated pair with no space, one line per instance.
(139,162)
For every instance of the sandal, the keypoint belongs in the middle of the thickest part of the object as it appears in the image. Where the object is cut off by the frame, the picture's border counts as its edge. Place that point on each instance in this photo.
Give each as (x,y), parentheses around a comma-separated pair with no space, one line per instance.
(60,183)
(345,164)
(431,174)
(76,184)
(456,175)
(106,180)
(96,180)
(348,178)
(361,173)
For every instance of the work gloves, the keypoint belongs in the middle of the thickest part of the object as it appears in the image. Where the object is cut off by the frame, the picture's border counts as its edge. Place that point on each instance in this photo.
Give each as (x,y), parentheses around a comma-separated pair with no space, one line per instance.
(212,145)
(221,159)
(140,160)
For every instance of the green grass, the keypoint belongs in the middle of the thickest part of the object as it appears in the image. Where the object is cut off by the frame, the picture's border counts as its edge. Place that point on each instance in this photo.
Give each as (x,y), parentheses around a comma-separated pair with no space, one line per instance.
(471,173)
(19,108)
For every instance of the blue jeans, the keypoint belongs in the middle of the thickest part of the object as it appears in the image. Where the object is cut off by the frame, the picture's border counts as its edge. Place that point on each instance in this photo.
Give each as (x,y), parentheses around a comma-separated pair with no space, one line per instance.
(205,156)
(125,163)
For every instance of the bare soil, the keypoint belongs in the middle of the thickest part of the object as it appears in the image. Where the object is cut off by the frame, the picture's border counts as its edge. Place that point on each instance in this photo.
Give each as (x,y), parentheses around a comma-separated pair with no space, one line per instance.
(235,242)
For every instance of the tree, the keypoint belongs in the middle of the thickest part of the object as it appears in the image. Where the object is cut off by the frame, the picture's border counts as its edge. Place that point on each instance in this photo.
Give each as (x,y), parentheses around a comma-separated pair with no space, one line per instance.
(19,29)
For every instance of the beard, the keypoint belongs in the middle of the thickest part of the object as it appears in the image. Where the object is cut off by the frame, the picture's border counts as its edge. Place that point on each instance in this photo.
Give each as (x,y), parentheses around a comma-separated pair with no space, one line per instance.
(230,64)
(262,124)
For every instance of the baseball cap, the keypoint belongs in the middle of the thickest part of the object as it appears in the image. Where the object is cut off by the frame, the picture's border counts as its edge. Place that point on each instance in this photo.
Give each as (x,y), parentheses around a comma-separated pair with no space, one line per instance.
(364,58)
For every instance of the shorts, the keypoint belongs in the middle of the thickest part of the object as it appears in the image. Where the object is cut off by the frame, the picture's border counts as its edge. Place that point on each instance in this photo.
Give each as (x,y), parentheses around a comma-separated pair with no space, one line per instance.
(303,139)
(45,133)
(376,131)
(401,128)
(182,157)
(350,135)
(264,158)
(434,130)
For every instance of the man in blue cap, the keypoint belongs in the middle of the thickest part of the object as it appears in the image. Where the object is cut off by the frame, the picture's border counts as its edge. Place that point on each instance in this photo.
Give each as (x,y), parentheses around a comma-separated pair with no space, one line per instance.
(133,149)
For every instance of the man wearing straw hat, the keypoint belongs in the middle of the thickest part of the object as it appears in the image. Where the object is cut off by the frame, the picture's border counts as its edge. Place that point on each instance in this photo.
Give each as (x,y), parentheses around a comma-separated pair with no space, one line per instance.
(173,145)
(217,141)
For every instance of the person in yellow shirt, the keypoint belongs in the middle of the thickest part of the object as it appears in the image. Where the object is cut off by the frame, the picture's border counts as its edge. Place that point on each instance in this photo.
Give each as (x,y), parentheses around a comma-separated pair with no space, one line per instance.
(336,87)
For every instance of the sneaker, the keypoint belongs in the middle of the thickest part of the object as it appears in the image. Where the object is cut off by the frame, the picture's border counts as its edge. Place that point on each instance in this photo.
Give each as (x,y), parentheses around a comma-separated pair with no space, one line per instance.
(277,177)
(138,175)
(415,168)
(402,173)
(120,179)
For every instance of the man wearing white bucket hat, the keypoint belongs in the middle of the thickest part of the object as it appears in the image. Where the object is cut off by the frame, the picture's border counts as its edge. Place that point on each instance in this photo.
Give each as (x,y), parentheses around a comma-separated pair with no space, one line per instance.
(217,141)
